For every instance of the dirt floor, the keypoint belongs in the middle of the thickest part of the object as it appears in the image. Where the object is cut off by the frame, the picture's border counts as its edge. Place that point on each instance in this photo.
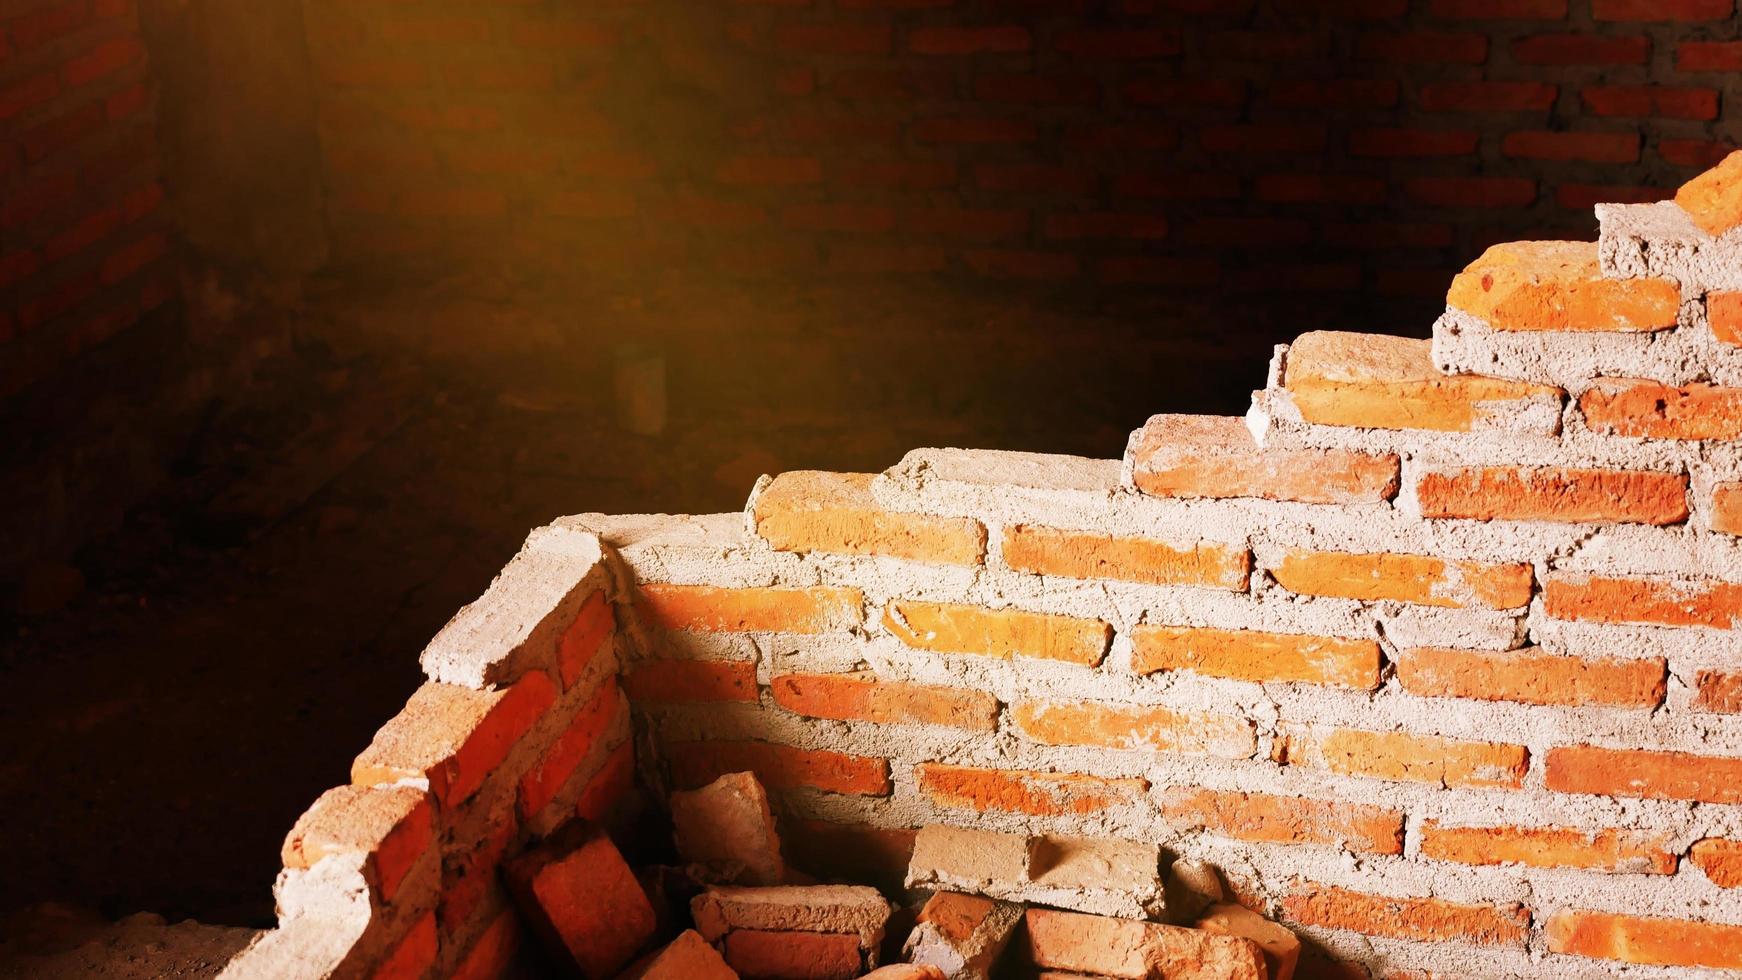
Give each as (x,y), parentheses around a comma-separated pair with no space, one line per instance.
(215,666)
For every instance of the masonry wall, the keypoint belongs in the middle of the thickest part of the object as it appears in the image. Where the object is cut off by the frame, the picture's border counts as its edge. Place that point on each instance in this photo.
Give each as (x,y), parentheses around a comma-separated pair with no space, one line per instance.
(1362,151)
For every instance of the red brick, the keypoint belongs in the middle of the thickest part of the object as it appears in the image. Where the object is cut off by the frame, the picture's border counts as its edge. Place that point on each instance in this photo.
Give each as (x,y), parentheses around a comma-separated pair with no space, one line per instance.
(1424,48)
(123,263)
(614,781)
(1388,234)
(769,171)
(1617,851)
(578,893)
(1122,269)
(902,174)
(1499,9)
(1642,774)
(1582,49)
(127,102)
(1681,11)
(1472,192)
(1488,96)
(1196,93)
(1348,93)
(1073,554)
(453,736)
(1001,39)
(1516,493)
(1412,142)
(1106,224)
(1648,101)
(1270,819)
(839,217)
(1655,411)
(584,638)
(392,826)
(866,697)
(1022,264)
(1350,9)
(18,266)
(1694,153)
(47,138)
(1720,860)
(688,957)
(564,34)
(1583,197)
(1034,178)
(1421,919)
(1117,43)
(1236,231)
(27,93)
(886,259)
(1128,727)
(1408,758)
(1708,56)
(87,231)
(1251,655)
(1423,579)
(1262,138)
(413,955)
(1591,147)
(551,773)
(38,27)
(834,39)
(1216,457)
(820,609)
(1039,794)
(1532,676)
(1265,46)
(974,130)
(778,767)
(1718,692)
(956,222)
(1631,939)
(1320,189)
(806,955)
(810,511)
(1000,633)
(1113,137)
(1034,89)
(892,84)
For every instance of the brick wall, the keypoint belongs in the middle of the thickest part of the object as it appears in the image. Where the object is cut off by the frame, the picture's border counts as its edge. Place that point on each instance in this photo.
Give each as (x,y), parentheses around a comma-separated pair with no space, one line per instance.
(83,240)
(1362,150)
(1439,667)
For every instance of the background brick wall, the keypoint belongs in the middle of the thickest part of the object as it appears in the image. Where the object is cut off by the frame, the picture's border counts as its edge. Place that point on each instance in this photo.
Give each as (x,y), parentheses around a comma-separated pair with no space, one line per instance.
(1360,151)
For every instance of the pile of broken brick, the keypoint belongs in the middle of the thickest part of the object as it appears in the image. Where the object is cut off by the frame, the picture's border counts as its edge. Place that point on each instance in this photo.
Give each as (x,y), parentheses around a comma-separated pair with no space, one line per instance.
(988,904)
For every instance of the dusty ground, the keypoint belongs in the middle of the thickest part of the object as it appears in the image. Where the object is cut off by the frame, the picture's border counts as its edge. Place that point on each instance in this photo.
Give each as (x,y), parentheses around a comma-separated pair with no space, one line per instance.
(239,641)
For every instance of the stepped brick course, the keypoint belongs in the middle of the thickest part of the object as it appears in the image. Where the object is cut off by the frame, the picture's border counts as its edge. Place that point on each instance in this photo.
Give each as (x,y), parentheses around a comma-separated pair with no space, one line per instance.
(1439,666)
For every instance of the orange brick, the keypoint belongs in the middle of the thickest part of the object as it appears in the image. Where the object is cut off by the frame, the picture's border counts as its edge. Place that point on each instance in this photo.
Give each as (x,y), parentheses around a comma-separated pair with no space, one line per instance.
(1718,692)
(1596,599)
(1215,456)
(943,627)
(413,955)
(866,697)
(1410,758)
(1421,919)
(1253,656)
(704,607)
(1547,493)
(1621,851)
(546,779)
(1558,286)
(453,736)
(1133,727)
(780,767)
(1531,676)
(614,780)
(1079,944)
(1405,578)
(1075,554)
(1040,794)
(1646,409)
(1714,199)
(1720,859)
(1727,508)
(807,955)
(1376,381)
(1270,819)
(582,640)
(692,681)
(494,952)
(1633,939)
(394,826)
(1643,774)
(814,511)
(1724,314)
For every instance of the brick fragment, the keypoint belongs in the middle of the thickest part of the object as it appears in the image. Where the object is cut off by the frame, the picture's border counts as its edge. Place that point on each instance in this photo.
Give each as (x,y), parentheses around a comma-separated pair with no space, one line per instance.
(1636,939)
(1714,199)
(1724,316)
(1718,692)
(1215,456)
(779,767)
(579,896)
(864,696)
(1532,676)
(962,936)
(1720,859)
(1647,409)
(1256,656)
(1272,819)
(1616,851)
(1280,945)
(1548,493)
(834,512)
(393,826)
(1128,950)
(688,957)
(852,910)
(967,859)
(1041,794)
(1421,579)
(701,607)
(1420,919)
(1644,774)
(1133,728)
(1376,381)
(794,955)
(1558,286)
(728,823)
(1002,633)
(1101,876)
(1601,599)
(1409,758)
(452,736)
(1075,554)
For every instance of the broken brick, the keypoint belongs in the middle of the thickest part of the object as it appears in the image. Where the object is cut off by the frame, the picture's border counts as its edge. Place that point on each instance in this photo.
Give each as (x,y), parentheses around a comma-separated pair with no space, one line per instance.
(729,822)
(580,897)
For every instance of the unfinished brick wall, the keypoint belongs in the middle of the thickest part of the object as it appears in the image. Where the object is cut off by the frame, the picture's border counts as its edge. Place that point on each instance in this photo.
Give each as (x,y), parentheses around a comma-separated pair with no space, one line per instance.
(83,242)
(1363,148)
(1439,667)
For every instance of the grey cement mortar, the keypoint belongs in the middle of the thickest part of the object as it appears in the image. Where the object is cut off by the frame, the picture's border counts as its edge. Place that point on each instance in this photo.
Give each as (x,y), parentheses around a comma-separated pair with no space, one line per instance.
(1465,344)
(1660,240)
